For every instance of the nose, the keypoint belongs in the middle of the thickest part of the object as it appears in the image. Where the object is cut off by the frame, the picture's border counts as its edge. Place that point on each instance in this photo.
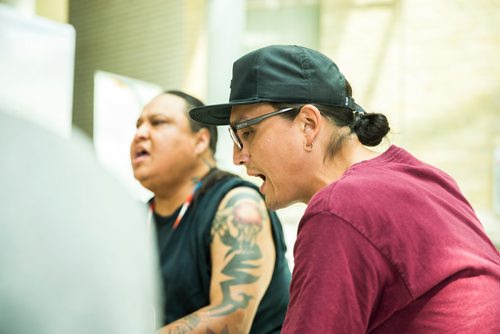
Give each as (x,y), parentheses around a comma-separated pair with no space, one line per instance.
(240,157)
(142,132)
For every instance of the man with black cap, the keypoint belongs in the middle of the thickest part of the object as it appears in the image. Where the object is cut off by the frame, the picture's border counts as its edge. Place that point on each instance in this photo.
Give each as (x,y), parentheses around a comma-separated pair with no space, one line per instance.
(387,244)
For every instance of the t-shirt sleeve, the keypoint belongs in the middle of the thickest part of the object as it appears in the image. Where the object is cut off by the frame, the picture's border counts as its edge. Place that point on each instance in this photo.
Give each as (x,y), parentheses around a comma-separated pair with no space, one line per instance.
(336,280)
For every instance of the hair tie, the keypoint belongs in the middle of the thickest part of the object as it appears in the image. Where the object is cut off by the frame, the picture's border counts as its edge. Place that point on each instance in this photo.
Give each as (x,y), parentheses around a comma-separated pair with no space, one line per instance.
(358,114)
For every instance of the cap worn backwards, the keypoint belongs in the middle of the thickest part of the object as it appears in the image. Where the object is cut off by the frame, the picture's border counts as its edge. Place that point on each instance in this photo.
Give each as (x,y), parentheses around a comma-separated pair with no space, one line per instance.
(280,73)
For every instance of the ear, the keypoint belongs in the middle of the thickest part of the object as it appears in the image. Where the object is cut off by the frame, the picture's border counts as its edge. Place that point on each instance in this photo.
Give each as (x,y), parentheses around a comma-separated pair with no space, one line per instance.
(310,121)
(202,141)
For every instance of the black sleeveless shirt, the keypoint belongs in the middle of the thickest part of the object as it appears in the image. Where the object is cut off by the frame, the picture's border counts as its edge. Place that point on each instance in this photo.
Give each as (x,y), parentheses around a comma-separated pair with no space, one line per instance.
(186,261)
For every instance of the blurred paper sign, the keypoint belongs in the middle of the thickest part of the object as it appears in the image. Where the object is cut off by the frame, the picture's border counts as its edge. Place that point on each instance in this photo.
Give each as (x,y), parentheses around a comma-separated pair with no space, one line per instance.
(36,69)
(118,101)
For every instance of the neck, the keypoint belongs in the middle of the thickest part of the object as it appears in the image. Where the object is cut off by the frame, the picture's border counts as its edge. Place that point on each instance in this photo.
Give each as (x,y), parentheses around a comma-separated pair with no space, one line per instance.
(168,199)
(331,170)
(166,204)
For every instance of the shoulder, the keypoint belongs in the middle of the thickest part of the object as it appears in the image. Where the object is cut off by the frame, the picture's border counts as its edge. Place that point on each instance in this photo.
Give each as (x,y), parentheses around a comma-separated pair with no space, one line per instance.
(244,190)
(243,209)
(220,181)
(244,201)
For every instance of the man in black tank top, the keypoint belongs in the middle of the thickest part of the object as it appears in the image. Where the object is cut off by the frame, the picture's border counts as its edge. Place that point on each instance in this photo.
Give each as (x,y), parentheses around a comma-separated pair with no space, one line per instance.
(222,253)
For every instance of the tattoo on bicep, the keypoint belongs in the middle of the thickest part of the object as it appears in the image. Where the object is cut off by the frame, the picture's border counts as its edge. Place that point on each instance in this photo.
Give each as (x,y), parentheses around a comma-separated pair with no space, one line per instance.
(238,226)
(185,325)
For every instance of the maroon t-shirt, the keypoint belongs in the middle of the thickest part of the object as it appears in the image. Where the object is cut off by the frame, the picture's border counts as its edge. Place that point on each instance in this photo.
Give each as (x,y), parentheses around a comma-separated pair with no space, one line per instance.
(393,247)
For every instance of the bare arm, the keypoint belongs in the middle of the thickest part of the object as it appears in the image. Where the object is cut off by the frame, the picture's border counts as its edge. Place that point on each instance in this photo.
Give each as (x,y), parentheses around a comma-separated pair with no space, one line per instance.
(243,257)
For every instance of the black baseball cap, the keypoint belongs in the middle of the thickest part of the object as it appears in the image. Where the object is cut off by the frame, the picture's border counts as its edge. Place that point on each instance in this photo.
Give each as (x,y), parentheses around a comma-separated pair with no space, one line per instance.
(280,74)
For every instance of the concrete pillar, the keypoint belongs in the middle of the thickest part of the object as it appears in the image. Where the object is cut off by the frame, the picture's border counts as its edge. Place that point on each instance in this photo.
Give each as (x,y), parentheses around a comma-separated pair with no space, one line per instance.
(226,26)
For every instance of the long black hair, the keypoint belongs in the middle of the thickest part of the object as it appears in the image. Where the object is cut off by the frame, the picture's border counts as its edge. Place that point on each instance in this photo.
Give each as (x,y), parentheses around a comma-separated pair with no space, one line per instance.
(193,102)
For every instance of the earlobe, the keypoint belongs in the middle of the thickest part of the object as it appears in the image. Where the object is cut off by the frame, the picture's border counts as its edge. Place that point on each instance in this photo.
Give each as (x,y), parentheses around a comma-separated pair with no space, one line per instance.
(202,141)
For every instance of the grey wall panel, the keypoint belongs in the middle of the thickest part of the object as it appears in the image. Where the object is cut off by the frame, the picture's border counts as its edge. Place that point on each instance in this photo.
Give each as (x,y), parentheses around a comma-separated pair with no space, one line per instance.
(140,39)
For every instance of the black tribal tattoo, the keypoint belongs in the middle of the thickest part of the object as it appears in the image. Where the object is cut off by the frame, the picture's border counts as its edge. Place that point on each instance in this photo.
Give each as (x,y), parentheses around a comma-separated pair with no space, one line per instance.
(237,228)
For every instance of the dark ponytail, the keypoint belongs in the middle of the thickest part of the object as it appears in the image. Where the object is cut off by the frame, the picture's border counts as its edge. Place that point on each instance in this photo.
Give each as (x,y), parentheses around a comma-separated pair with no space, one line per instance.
(370,128)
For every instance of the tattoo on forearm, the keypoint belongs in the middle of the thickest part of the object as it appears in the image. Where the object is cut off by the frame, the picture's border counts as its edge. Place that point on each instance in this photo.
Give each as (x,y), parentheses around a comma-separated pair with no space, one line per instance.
(224,331)
(237,226)
(185,325)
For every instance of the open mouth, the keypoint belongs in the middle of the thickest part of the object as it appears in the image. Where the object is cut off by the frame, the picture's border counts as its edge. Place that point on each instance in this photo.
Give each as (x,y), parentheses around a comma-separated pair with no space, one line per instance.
(256,174)
(141,153)
(263,185)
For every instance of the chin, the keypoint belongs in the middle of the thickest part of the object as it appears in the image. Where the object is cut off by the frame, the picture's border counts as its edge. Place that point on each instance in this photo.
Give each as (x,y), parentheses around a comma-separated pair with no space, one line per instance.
(273,204)
(138,176)
(143,180)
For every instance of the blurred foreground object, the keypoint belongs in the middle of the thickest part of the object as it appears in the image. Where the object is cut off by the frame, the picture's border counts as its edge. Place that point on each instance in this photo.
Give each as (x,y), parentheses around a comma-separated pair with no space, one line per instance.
(75,256)
(36,69)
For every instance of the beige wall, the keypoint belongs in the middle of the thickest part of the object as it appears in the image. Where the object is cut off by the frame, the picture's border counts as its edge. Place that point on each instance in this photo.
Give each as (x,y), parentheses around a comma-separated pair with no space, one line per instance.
(432,67)
(195,52)
(56,10)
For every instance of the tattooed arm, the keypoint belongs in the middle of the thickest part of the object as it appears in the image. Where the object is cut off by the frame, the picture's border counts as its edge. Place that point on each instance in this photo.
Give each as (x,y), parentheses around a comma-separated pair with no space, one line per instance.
(243,257)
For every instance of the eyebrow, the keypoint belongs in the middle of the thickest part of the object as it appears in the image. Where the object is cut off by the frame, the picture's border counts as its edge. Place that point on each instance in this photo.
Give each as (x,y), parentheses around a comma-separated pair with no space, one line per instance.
(150,116)
(141,118)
